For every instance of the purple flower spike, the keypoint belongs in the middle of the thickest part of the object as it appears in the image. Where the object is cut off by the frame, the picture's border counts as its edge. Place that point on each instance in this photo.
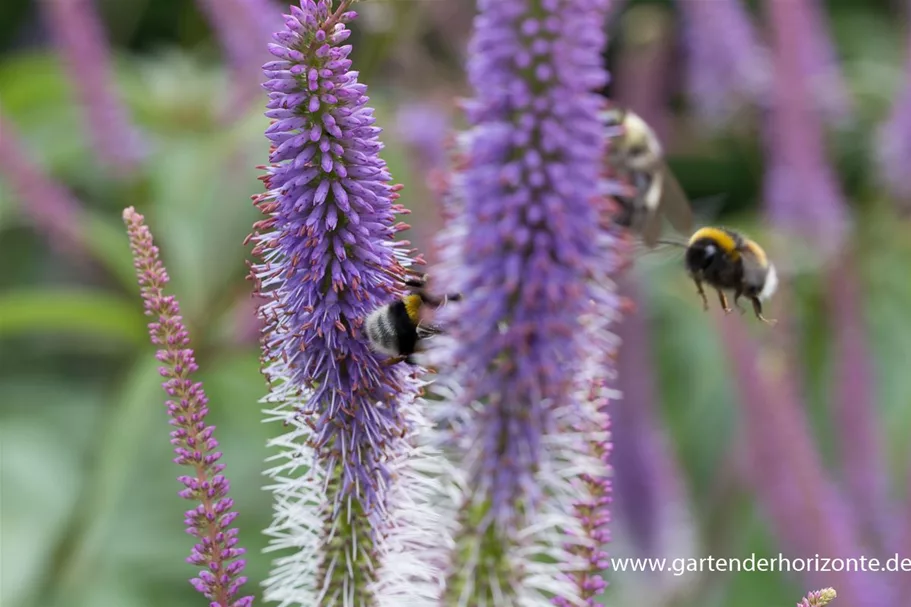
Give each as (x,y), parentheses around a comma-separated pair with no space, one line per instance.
(854,398)
(818,598)
(350,509)
(196,448)
(801,190)
(50,207)
(424,127)
(650,497)
(241,27)
(806,511)
(727,65)
(525,249)
(80,39)
(820,64)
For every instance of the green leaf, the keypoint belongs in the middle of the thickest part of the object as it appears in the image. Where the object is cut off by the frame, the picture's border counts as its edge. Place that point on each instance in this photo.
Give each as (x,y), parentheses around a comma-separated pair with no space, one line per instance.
(80,312)
(46,425)
(83,545)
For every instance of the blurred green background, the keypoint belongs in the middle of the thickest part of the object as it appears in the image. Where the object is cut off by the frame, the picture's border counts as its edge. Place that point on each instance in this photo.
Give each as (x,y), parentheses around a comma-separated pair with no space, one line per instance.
(89,510)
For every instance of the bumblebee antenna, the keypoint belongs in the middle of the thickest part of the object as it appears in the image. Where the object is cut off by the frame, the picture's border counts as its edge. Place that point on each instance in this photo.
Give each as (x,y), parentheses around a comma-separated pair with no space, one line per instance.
(672,243)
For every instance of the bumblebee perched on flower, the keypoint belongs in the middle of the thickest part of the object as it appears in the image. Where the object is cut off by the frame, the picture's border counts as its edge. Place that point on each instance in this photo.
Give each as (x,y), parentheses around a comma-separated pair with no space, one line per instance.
(728,261)
(636,156)
(397,328)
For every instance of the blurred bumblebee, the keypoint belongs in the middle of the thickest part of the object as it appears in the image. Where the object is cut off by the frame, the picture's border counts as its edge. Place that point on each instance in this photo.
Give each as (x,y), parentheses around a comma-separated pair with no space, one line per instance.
(729,261)
(397,328)
(637,157)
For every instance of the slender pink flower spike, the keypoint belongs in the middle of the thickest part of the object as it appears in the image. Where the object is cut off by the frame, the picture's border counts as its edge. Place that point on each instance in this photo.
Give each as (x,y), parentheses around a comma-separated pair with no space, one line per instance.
(210,520)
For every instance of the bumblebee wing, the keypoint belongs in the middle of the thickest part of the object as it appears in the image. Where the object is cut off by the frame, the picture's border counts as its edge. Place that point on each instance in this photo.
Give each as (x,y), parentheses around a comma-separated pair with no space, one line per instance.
(651,231)
(664,250)
(651,201)
(754,269)
(674,203)
(794,257)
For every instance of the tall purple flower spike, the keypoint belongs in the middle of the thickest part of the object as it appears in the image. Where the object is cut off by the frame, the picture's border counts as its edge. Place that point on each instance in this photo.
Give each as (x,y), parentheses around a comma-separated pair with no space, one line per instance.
(210,522)
(650,496)
(50,207)
(801,190)
(854,399)
(821,66)
(350,515)
(525,249)
(241,26)
(806,511)
(80,39)
(804,198)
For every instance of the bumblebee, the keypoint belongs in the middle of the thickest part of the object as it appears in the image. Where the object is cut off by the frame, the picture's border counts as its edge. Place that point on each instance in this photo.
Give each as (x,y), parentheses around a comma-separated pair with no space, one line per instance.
(728,261)
(396,328)
(637,157)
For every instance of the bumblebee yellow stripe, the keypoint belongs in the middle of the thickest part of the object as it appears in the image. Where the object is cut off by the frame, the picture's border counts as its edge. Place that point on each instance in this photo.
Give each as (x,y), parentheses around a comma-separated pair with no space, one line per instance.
(413,308)
(756,250)
(718,236)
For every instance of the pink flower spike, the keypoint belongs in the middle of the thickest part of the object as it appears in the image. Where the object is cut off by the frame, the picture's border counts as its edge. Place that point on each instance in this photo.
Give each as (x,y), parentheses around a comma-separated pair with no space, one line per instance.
(219,580)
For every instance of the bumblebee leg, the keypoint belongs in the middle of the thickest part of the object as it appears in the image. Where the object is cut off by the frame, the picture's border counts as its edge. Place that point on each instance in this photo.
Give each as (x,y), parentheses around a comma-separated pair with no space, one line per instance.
(737,305)
(724,301)
(757,308)
(394,361)
(705,301)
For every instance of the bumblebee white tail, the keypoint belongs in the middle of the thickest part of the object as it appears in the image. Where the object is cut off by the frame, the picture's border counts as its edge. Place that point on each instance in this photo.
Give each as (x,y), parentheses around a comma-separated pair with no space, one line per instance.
(771,284)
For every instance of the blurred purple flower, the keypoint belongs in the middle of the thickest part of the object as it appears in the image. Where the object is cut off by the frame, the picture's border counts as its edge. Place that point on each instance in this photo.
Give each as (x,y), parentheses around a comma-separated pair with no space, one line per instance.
(727,65)
(424,127)
(195,446)
(807,514)
(855,406)
(345,488)
(644,65)
(801,191)
(241,26)
(80,39)
(526,251)
(649,494)
(894,142)
(821,68)
(818,598)
(46,203)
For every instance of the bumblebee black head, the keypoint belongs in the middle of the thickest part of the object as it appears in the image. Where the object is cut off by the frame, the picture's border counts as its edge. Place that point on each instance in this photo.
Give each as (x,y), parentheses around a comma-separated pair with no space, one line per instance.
(708,245)
(701,254)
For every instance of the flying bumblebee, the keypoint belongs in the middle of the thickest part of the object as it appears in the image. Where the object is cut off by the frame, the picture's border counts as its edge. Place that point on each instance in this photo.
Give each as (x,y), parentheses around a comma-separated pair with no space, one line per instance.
(396,328)
(637,157)
(729,261)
